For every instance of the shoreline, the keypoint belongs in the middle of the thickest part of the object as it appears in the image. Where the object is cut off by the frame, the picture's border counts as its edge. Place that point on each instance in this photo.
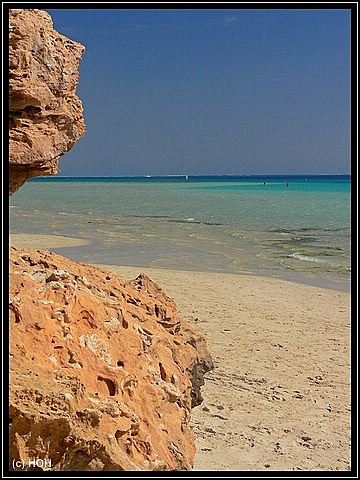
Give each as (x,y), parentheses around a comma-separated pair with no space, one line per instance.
(279,395)
(59,242)
(25,240)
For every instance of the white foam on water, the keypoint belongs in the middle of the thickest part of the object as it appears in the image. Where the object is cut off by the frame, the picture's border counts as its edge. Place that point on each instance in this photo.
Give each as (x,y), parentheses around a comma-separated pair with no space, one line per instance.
(298,256)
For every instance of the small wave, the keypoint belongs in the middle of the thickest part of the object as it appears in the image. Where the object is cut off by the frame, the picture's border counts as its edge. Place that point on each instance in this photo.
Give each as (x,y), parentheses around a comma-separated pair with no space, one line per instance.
(180,220)
(298,256)
(197,222)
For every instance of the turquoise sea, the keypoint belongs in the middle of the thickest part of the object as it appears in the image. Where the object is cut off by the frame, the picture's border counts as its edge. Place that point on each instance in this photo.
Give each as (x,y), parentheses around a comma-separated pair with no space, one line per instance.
(291,227)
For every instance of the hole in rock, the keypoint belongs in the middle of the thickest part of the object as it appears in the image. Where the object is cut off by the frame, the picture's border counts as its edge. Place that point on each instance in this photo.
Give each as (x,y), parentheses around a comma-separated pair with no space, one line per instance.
(32,109)
(119,363)
(111,385)
(162,371)
(119,433)
(125,323)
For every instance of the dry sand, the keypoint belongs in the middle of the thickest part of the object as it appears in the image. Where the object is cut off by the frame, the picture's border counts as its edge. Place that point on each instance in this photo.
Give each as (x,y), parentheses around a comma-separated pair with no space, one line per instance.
(278,397)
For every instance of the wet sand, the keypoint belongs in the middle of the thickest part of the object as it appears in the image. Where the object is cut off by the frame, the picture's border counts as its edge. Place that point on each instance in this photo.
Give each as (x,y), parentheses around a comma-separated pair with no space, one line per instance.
(22,240)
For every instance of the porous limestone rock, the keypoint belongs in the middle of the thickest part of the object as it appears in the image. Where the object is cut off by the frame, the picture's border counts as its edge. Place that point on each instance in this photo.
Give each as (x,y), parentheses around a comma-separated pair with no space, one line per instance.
(45,114)
(103,372)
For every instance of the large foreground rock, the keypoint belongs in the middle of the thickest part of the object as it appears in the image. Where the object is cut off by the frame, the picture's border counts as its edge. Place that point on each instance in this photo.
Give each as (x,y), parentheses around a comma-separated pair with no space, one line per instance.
(45,114)
(103,372)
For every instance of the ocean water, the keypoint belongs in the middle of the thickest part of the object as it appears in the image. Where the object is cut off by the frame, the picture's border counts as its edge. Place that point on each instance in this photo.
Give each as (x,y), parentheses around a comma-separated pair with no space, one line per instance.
(290,227)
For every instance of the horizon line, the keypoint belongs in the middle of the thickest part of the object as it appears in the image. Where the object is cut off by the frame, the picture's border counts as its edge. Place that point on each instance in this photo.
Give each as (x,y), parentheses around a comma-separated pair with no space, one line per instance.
(195,175)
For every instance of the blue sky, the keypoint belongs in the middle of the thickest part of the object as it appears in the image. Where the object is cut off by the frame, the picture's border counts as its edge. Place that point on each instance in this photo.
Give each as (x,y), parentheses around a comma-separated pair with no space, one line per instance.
(217,91)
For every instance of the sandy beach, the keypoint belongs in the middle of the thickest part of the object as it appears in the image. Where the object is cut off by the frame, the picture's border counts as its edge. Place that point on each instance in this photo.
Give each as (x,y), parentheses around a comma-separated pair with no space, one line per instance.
(278,397)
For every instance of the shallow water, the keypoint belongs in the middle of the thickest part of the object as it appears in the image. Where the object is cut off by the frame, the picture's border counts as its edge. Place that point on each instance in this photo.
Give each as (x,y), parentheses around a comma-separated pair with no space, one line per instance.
(221,224)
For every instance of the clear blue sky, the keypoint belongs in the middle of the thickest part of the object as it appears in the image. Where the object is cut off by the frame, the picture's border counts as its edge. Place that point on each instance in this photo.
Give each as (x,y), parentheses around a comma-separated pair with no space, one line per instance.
(217,91)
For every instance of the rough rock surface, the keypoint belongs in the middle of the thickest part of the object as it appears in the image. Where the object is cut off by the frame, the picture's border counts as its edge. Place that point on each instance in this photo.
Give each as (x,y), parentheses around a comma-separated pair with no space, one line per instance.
(45,114)
(103,372)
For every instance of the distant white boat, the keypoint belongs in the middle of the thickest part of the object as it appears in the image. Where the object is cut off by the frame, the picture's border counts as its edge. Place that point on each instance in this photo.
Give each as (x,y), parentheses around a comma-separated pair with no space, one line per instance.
(186,177)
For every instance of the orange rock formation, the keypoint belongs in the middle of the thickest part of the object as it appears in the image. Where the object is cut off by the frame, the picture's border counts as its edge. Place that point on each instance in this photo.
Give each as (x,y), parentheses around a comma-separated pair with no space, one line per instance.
(104,372)
(45,114)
